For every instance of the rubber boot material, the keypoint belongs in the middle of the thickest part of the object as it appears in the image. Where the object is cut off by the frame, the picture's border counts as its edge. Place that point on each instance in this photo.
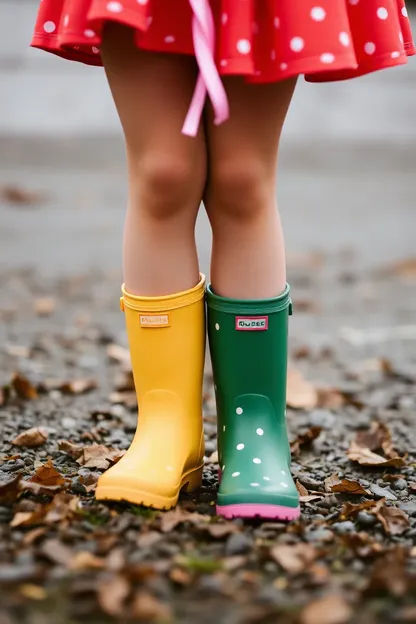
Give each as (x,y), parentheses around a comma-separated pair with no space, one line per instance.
(248,342)
(167,345)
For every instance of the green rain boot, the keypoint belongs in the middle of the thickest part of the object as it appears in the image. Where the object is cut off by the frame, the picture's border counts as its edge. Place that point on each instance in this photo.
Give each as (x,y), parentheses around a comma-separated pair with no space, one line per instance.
(248,342)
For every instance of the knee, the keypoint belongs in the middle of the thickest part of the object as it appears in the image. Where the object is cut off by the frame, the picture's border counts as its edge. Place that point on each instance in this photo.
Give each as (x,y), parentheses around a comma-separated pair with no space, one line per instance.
(239,190)
(166,186)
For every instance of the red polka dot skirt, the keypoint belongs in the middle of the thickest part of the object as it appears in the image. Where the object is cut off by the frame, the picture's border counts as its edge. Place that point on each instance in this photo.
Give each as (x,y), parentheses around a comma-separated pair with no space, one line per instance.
(264,40)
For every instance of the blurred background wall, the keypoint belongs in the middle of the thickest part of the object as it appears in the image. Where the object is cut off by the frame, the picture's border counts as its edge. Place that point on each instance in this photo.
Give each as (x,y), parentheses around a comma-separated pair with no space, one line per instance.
(347,178)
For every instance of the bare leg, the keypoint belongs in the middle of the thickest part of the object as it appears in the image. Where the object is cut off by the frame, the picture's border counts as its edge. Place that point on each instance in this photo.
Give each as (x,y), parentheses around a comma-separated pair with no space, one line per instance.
(167,170)
(248,258)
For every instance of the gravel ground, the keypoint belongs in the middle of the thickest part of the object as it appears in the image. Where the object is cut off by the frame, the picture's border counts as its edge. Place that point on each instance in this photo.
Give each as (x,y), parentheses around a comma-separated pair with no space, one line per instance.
(352,398)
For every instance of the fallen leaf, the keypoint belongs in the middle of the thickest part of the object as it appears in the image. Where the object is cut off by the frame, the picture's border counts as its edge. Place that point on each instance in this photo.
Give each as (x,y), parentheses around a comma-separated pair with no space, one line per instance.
(112,594)
(350,510)
(124,381)
(362,544)
(218,530)
(345,486)
(9,490)
(412,486)
(306,305)
(119,354)
(61,508)
(403,268)
(70,448)
(44,306)
(365,457)
(23,388)
(28,518)
(171,519)
(394,520)
(407,614)
(56,551)
(378,437)
(294,558)
(180,576)
(330,398)
(31,438)
(310,498)
(85,560)
(33,535)
(90,481)
(48,475)
(129,399)
(331,609)
(39,490)
(99,456)
(19,196)
(305,439)
(78,386)
(389,574)
(147,608)
(301,489)
(301,394)
(212,459)
(33,592)
(4,395)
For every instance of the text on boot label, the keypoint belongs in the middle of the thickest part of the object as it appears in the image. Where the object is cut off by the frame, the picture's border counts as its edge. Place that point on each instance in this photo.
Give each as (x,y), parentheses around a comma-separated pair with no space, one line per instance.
(154,320)
(252,323)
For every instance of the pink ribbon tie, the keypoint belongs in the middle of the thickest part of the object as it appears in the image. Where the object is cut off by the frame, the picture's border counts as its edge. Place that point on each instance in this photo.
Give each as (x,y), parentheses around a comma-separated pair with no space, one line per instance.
(209,81)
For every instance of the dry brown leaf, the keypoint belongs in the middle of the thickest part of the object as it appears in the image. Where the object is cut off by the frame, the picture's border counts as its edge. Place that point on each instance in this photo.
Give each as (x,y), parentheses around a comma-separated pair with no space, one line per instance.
(378,437)
(33,535)
(4,395)
(56,551)
(23,388)
(362,544)
(301,489)
(90,481)
(304,439)
(301,394)
(61,508)
(112,594)
(219,531)
(44,306)
(412,486)
(390,574)
(294,558)
(171,519)
(310,498)
(330,398)
(306,305)
(19,196)
(128,399)
(85,560)
(365,457)
(350,510)
(147,608)
(28,518)
(31,438)
(344,486)
(180,576)
(9,490)
(331,609)
(99,456)
(33,592)
(119,354)
(124,381)
(403,268)
(47,474)
(78,386)
(394,520)
(39,490)
(70,448)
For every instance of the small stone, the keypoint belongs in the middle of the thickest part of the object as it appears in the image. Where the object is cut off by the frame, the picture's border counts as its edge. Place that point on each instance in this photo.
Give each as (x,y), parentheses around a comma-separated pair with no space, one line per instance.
(366,519)
(68,422)
(238,544)
(382,492)
(400,484)
(210,447)
(28,461)
(309,482)
(13,465)
(77,486)
(365,483)
(409,508)
(211,584)
(322,418)
(344,527)
(319,535)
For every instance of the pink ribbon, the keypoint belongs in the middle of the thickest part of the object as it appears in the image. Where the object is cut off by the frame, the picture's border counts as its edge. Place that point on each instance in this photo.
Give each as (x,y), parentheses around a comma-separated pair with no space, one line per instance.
(209,81)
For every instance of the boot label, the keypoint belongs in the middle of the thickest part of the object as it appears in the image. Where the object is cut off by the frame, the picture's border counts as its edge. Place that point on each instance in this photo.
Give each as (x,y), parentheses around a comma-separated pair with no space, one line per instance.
(252,323)
(154,320)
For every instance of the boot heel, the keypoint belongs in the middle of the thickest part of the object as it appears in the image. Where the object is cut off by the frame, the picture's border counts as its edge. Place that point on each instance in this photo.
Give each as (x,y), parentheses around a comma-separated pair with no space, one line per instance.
(192,481)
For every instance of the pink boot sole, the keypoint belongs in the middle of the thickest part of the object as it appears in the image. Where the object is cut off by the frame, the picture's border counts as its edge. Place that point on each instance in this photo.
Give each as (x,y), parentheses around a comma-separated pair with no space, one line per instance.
(275,512)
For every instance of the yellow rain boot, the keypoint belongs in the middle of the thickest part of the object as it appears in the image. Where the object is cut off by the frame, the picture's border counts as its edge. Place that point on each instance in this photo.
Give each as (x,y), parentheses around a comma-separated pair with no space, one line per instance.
(167,346)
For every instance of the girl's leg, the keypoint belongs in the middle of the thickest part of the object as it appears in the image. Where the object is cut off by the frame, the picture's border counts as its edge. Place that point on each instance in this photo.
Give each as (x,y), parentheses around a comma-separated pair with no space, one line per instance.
(248,305)
(167,170)
(163,295)
(248,259)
